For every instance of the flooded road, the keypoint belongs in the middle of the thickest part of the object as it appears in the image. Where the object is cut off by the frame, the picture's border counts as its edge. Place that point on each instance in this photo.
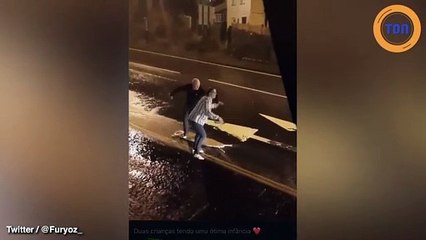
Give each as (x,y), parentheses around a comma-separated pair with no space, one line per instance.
(166,184)
(149,96)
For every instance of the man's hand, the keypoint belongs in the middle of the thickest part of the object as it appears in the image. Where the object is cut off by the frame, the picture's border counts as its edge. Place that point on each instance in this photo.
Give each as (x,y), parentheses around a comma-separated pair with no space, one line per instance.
(220,103)
(171,97)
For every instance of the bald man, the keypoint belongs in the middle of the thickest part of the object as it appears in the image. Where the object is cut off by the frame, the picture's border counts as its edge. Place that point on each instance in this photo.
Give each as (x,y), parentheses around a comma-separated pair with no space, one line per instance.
(194,92)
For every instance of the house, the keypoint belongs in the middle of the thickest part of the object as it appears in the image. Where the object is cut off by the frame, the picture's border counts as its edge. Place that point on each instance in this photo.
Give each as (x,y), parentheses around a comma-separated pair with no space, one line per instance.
(211,12)
(220,10)
(250,12)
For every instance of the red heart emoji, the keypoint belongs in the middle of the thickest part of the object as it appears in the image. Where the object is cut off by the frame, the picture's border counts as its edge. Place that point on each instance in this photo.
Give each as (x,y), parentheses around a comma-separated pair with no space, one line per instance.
(256,230)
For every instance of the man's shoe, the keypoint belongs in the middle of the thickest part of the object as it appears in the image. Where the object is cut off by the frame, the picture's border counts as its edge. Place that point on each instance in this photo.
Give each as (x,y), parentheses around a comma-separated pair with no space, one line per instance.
(201,151)
(198,156)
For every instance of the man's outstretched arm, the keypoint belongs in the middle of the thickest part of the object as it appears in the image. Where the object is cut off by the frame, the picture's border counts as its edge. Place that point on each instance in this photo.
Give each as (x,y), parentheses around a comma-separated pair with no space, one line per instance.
(178,89)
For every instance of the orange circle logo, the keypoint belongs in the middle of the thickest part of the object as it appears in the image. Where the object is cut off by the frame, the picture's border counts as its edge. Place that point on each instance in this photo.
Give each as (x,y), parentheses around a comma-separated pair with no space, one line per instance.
(397,28)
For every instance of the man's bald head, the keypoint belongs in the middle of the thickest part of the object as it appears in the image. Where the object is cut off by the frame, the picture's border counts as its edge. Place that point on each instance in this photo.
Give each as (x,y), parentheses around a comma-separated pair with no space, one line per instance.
(196,83)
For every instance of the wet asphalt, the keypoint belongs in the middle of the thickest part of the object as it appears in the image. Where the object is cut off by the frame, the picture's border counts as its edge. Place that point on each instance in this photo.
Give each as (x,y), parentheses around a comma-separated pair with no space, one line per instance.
(272,162)
(166,184)
(242,106)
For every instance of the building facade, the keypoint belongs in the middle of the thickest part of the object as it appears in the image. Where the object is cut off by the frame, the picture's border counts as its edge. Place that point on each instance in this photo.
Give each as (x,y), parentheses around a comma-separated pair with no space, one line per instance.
(249,12)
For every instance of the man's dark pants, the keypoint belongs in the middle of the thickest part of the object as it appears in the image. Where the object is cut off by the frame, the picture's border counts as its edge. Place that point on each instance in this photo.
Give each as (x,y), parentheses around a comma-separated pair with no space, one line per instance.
(186,124)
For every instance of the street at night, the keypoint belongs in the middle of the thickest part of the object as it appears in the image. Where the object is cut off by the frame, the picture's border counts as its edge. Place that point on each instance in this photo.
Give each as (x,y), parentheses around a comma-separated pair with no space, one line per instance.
(247,169)
(168,184)
(253,179)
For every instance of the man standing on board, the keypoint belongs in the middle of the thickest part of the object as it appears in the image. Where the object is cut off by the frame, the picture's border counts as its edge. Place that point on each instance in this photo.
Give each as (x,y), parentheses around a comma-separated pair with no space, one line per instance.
(194,92)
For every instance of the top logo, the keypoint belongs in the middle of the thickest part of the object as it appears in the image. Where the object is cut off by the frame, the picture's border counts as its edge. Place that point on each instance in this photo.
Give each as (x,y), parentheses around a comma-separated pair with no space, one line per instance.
(397,28)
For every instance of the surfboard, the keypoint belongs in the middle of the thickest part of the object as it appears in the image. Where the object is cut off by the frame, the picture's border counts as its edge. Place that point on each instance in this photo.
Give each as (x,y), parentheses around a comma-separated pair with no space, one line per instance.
(211,143)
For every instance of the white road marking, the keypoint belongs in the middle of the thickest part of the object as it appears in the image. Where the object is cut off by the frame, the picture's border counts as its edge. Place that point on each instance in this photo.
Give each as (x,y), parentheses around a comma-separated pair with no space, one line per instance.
(247,88)
(199,211)
(209,63)
(274,143)
(153,75)
(211,80)
(289,126)
(190,138)
(152,67)
(245,133)
(241,132)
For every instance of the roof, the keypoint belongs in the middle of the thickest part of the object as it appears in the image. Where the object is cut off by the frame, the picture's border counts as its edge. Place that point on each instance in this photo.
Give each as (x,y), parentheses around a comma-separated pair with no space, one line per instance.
(220,7)
(216,3)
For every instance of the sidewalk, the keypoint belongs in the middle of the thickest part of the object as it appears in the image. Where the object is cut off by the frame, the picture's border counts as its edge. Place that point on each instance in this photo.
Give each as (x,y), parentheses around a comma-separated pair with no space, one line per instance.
(162,128)
(219,57)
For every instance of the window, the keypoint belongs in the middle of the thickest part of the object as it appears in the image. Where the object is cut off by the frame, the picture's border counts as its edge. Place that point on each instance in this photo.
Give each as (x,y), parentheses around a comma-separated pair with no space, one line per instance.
(244,20)
(220,17)
(234,2)
(242,2)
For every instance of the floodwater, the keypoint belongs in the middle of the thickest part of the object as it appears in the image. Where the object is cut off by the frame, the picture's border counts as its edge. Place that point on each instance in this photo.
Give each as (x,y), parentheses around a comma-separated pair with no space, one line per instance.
(169,184)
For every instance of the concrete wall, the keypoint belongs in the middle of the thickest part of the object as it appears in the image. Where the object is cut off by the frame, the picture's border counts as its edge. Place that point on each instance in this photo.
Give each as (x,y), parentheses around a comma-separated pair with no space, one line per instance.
(257,13)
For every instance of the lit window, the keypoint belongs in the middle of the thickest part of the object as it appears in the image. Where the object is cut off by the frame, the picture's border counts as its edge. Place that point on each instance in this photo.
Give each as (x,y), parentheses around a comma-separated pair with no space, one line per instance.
(242,2)
(234,2)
